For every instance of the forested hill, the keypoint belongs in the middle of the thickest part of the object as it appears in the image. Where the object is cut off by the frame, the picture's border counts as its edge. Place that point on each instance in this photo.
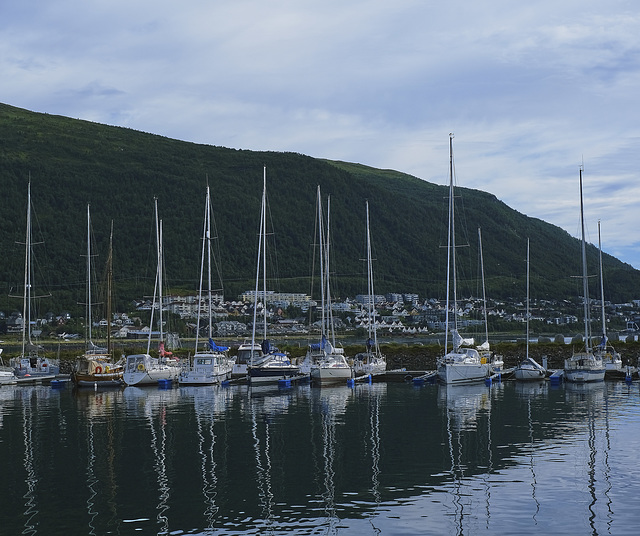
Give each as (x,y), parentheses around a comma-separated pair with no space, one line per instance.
(119,172)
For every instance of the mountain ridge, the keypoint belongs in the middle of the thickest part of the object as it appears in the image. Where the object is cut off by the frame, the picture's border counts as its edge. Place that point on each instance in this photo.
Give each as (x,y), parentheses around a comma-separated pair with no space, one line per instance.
(119,171)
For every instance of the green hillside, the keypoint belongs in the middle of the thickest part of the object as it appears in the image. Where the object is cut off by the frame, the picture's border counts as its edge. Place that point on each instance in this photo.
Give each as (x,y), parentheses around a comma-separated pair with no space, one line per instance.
(119,172)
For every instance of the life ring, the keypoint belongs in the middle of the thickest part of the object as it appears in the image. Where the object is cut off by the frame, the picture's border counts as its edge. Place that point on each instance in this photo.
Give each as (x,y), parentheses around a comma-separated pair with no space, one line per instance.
(141,367)
(98,370)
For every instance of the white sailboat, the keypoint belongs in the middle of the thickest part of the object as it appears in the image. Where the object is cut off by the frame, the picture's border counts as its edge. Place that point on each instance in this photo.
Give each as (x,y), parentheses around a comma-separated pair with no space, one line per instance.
(584,366)
(30,365)
(96,367)
(461,364)
(529,368)
(326,362)
(610,357)
(372,361)
(142,369)
(270,365)
(212,365)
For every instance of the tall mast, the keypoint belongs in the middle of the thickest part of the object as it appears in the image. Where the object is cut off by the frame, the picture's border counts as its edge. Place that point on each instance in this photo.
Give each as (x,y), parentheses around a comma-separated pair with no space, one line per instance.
(89,322)
(323,311)
(26,306)
(370,290)
(204,244)
(527,298)
(109,288)
(264,251)
(604,320)
(157,291)
(451,256)
(484,295)
(585,282)
(328,244)
(208,241)
(261,247)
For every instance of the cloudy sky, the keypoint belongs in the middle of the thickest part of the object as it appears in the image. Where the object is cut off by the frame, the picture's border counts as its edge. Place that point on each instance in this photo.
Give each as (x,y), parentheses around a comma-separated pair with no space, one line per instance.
(530,90)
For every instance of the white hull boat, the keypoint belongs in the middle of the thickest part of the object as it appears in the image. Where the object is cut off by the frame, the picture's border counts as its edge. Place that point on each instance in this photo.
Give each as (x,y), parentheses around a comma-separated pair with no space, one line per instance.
(208,369)
(142,369)
(463,366)
(529,370)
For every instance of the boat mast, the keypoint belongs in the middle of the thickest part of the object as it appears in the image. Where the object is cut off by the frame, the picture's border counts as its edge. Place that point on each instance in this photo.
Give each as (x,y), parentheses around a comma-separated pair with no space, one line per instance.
(109,289)
(208,244)
(328,243)
(204,242)
(26,306)
(585,282)
(322,267)
(604,320)
(264,252)
(484,295)
(157,290)
(261,236)
(372,325)
(89,341)
(527,298)
(451,256)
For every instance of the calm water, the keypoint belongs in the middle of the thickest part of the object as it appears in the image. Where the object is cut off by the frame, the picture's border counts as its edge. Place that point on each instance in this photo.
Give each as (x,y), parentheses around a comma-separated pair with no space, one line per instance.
(380,459)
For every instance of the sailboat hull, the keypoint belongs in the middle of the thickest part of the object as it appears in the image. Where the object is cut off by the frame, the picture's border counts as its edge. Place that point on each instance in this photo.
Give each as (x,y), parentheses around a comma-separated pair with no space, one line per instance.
(101,380)
(584,367)
(458,373)
(265,374)
(326,375)
(528,374)
(145,370)
(584,375)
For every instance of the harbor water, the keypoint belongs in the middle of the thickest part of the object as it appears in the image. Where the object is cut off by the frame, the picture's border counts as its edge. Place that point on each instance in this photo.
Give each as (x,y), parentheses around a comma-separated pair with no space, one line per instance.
(372,459)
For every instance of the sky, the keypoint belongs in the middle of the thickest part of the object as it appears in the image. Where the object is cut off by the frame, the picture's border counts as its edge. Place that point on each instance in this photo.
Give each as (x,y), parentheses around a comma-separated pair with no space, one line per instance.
(531,91)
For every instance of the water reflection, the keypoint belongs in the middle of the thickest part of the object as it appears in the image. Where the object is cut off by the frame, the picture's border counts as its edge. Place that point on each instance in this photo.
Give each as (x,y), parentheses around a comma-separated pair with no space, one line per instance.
(330,403)
(31,478)
(238,460)
(152,405)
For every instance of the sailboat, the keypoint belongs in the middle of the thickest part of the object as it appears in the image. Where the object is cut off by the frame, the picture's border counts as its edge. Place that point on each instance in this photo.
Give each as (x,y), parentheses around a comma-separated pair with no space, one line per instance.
(462,364)
(529,368)
(142,369)
(584,366)
(212,365)
(96,366)
(372,361)
(30,365)
(608,354)
(325,361)
(270,365)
